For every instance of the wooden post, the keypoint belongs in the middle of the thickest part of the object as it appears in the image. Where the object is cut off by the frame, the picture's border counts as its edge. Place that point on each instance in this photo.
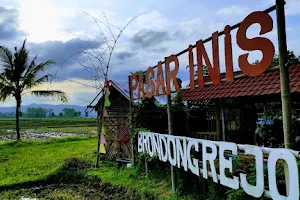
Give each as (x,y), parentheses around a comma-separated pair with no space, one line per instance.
(187,119)
(218,119)
(170,130)
(284,76)
(146,167)
(223,125)
(284,83)
(99,126)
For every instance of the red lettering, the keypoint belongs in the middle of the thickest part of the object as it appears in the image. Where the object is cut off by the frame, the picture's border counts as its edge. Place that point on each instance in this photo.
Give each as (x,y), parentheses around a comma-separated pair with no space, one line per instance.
(214,71)
(149,82)
(258,43)
(191,66)
(160,80)
(133,78)
(172,74)
(228,54)
(141,87)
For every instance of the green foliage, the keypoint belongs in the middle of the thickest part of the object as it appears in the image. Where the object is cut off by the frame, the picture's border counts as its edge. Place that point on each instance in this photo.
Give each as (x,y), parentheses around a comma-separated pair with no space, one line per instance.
(62,169)
(7,115)
(70,112)
(149,115)
(35,113)
(292,59)
(179,112)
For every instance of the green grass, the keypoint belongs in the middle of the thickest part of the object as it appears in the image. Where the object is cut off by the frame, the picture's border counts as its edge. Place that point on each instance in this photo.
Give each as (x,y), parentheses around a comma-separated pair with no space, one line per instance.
(27,161)
(129,178)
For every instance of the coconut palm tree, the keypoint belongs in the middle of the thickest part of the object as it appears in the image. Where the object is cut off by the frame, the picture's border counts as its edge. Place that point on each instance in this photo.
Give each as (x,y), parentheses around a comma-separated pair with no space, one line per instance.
(19,77)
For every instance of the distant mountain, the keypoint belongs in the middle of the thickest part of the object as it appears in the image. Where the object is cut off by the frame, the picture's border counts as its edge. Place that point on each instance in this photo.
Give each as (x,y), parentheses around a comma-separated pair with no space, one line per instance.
(56,108)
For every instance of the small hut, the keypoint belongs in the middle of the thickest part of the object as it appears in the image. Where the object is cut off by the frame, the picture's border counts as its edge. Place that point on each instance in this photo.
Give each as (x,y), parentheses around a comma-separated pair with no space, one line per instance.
(117,124)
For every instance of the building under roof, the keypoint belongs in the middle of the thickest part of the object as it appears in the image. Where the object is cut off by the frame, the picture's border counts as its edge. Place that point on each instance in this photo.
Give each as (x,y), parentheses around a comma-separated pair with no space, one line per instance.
(229,111)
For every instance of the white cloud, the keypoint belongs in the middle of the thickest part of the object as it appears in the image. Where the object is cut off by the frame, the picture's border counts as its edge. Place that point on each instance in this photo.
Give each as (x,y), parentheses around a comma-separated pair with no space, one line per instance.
(153,20)
(233,10)
(41,20)
(293,7)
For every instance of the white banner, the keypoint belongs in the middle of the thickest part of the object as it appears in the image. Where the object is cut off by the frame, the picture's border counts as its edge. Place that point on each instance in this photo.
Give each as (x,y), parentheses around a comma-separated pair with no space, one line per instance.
(177,150)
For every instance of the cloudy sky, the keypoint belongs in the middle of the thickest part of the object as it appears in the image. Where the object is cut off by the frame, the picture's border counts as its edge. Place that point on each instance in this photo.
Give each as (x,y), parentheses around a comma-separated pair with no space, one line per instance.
(62,30)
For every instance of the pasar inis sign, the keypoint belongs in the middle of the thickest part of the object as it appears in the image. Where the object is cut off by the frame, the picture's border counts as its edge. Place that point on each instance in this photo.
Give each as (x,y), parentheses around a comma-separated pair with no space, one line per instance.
(155,83)
(177,150)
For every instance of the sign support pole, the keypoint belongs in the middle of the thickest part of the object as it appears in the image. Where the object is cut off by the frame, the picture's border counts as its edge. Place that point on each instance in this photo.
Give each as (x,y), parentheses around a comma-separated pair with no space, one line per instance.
(284,83)
(284,76)
(170,130)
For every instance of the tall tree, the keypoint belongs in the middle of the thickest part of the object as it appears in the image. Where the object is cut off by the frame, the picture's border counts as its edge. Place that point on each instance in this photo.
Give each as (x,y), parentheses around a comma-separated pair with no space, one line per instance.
(70,112)
(50,113)
(20,76)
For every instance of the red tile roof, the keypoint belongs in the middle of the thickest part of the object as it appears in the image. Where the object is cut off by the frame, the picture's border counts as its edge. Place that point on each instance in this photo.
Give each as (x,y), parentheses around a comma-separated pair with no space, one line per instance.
(264,84)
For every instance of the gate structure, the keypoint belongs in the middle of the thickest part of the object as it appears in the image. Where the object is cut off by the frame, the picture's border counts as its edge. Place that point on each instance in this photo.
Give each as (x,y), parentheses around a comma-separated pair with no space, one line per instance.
(161,79)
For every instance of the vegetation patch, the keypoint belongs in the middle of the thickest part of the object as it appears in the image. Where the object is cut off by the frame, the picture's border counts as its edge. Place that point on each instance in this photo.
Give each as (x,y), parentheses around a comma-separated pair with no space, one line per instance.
(64,169)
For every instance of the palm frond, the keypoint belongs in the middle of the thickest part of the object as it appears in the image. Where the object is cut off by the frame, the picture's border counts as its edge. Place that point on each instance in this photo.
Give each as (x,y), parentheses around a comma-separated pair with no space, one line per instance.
(6,91)
(30,67)
(4,79)
(37,82)
(42,66)
(30,76)
(6,58)
(21,61)
(61,96)
(41,80)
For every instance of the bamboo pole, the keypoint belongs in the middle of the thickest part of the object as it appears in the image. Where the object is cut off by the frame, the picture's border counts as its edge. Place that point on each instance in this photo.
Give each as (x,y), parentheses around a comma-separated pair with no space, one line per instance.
(284,76)
(131,125)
